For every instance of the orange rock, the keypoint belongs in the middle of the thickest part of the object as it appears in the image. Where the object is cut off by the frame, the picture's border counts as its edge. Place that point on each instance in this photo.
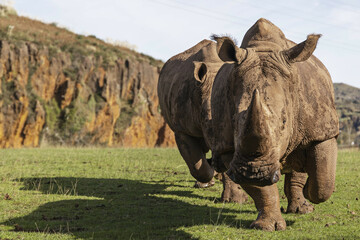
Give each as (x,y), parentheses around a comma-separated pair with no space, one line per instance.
(102,127)
(31,78)
(148,131)
(11,132)
(42,81)
(67,94)
(33,129)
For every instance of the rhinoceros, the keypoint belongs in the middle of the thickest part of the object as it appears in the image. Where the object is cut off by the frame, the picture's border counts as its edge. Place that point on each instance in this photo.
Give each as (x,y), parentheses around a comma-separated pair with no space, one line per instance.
(264,109)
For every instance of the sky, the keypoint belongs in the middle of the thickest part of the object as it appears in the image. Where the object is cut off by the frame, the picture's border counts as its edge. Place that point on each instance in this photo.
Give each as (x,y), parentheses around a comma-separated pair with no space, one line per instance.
(163,28)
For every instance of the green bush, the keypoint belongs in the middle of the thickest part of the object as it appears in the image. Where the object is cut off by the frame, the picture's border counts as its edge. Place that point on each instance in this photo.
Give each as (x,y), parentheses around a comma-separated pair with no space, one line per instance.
(52,115)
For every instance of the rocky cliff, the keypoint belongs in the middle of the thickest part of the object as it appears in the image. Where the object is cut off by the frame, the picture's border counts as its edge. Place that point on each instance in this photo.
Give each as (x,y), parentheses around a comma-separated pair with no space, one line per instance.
(57,87)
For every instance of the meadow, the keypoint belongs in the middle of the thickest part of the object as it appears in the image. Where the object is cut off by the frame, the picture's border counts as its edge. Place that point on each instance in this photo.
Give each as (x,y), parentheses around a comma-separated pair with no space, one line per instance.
(117,193)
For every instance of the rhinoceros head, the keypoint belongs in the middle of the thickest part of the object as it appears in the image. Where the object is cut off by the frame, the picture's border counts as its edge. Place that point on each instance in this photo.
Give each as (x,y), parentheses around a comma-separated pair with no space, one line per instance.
(262,93)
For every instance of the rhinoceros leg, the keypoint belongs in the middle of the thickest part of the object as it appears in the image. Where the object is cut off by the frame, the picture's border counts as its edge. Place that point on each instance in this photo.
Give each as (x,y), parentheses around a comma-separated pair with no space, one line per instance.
(321,166)
(192,151)
(232,192)
(294,185)
(267,202)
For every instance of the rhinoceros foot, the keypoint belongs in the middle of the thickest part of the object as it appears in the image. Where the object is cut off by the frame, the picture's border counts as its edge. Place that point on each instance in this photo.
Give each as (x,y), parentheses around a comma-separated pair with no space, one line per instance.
(232,192)
(204,185)
(269,222)
(301,207)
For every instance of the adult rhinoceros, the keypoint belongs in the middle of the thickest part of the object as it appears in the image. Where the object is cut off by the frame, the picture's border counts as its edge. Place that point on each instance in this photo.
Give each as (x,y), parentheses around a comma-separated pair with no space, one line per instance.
(264,108)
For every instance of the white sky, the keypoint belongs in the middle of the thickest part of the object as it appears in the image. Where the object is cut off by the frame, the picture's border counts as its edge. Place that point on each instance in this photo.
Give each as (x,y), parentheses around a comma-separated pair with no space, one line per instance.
(163,28)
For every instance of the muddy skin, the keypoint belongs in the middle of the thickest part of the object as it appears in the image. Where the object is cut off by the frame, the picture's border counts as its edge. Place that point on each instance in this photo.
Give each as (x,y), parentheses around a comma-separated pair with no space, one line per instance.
(232,192)
(267,202)
(293,187)
(321,167)
(190,149)
(257,108)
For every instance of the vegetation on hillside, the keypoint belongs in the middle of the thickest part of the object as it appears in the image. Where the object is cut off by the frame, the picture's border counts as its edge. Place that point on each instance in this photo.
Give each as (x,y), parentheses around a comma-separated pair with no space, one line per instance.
(347,100)
(18,29)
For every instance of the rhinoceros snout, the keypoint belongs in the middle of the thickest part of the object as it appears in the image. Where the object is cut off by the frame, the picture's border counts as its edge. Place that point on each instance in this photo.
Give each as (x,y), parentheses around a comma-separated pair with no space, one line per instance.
(239,178)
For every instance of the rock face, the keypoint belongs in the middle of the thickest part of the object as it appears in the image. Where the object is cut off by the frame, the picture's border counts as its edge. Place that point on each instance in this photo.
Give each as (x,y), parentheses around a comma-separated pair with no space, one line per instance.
(58,98)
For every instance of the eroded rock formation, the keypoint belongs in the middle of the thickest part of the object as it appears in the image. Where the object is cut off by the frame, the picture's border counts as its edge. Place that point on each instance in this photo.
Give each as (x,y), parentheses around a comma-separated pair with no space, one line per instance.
(58,98)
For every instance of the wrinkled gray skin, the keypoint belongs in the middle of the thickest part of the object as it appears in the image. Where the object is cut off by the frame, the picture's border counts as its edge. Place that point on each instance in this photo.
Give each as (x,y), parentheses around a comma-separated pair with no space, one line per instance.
(185,105)
(264,108)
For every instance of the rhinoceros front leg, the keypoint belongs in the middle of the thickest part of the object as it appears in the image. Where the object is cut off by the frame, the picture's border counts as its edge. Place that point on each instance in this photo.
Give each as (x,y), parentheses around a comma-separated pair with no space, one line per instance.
(320,166)
(294,185)
(267,202)
(192,151)
(232,192)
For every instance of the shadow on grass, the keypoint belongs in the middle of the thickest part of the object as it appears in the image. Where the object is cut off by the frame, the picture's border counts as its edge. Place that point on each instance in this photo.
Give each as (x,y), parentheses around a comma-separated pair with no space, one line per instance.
(118,209)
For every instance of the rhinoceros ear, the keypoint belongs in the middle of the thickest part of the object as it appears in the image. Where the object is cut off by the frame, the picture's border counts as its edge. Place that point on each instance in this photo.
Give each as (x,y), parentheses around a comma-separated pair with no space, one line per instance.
(227,49)
(302,51)
(200,71)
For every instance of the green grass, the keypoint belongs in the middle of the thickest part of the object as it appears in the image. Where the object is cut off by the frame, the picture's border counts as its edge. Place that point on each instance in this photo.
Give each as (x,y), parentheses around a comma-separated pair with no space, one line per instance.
(102,193)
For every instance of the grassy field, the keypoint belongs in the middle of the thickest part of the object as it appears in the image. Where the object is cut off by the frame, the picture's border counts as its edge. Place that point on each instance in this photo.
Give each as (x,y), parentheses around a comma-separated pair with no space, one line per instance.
(102,193)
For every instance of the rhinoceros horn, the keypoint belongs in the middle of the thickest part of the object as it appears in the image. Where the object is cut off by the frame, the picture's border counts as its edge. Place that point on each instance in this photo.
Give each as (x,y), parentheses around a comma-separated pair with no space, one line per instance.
(255,138)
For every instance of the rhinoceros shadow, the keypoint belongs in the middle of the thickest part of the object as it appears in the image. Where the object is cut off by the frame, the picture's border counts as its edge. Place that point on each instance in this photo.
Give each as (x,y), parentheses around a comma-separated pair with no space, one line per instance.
(118,209)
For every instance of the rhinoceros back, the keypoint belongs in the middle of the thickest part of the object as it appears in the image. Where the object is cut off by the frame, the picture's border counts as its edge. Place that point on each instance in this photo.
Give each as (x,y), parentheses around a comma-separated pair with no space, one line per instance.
(179,93)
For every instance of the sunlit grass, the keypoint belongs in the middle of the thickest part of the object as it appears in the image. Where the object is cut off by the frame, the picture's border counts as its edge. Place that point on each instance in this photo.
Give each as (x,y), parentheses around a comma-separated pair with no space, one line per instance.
(108,193)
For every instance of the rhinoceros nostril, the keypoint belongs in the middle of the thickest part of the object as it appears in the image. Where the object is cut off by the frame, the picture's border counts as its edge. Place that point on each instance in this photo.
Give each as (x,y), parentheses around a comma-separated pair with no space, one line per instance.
(275,177)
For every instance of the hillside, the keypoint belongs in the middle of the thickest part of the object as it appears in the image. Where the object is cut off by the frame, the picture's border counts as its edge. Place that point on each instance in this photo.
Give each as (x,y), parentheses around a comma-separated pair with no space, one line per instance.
(58,87)
(347,100)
